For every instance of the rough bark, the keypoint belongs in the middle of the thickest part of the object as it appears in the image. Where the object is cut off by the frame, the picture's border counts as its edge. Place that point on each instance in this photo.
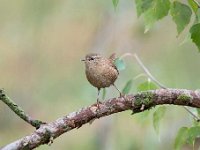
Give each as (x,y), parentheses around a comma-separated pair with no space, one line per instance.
(137,103)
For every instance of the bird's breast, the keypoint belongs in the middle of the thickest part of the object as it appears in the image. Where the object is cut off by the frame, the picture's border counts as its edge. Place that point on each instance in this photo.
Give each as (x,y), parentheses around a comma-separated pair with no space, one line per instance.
(101,75)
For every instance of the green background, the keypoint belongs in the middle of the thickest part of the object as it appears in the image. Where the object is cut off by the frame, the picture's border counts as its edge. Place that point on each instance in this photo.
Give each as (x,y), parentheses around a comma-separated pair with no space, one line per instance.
(41,45)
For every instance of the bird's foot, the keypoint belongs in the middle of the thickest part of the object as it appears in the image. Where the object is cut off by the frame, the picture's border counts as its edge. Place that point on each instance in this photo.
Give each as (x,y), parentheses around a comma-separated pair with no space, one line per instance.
(98,105)
(98,108)
(121,94)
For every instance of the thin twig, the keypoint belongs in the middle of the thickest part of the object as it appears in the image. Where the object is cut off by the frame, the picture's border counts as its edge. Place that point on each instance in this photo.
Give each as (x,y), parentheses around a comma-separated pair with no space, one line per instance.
(196,117)
(197,3)
(18,110)
(147,72)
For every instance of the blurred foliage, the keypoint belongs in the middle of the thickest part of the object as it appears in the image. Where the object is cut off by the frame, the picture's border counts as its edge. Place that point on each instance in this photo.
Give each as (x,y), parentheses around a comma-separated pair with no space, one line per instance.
(119,63)
(115,3)
(41,44)
(157,116)
(181,15)
(127,87)
(154,10)
(187,135)
(181,137)
(195,32)
(147,85)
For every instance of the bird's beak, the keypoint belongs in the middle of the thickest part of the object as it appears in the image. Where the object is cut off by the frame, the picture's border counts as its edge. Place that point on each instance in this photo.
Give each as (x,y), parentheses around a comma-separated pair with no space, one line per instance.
(82,59)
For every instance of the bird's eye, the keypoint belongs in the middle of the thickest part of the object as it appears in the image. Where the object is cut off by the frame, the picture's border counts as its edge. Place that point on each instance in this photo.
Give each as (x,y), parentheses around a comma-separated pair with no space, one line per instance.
(91,58)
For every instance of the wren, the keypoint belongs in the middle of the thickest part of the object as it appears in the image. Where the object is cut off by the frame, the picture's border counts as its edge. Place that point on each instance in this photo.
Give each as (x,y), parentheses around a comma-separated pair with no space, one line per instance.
(100,71)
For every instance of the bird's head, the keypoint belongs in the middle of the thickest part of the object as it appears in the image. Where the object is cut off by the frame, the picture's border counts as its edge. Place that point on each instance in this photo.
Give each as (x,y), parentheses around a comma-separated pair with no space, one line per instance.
(91,58)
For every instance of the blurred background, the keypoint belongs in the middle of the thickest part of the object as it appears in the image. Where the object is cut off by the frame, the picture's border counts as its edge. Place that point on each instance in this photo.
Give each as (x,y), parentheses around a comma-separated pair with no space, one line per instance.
(41,44)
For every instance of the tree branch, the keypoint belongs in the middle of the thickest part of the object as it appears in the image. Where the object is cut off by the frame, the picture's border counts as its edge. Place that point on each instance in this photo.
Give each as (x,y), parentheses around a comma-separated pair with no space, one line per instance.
(19,111)
(144,100)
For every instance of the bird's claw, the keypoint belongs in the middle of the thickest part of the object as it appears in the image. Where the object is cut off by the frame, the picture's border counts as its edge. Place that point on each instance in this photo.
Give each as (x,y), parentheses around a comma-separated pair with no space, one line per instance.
(124,96)
(98,104)
(121,94)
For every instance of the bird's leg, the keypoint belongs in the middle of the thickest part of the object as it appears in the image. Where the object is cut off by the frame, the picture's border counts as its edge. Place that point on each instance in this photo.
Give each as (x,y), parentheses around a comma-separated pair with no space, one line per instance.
(98,102)
(121,94)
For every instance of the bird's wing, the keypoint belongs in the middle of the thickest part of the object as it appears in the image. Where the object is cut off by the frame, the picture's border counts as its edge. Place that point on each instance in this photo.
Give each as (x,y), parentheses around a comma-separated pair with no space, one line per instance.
(113,65)
(113,56)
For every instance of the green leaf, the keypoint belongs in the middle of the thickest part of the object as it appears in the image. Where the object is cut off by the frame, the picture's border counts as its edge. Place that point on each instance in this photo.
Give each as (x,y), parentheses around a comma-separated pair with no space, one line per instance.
(104,93)
(181,138)
(127,87)
(198,111)
(158,10)
(115,3)
(187,135)
(193,133)
(197,20)
(195,34)
(147,85)
(157,116)
(119,63)
(144,117)
(181,15)
(193,5)
(142,6)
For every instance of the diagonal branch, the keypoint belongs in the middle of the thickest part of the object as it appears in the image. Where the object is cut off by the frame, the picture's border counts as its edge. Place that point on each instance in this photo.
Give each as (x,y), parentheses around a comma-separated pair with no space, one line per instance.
(147,99)
(19,111)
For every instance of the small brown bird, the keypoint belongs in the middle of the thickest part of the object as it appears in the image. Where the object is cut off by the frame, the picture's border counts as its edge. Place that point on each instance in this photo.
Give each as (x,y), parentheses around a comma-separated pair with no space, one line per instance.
(101,72)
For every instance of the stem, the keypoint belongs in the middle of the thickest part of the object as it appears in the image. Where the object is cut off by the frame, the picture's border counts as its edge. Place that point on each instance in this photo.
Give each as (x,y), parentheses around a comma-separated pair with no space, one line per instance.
(147,72)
